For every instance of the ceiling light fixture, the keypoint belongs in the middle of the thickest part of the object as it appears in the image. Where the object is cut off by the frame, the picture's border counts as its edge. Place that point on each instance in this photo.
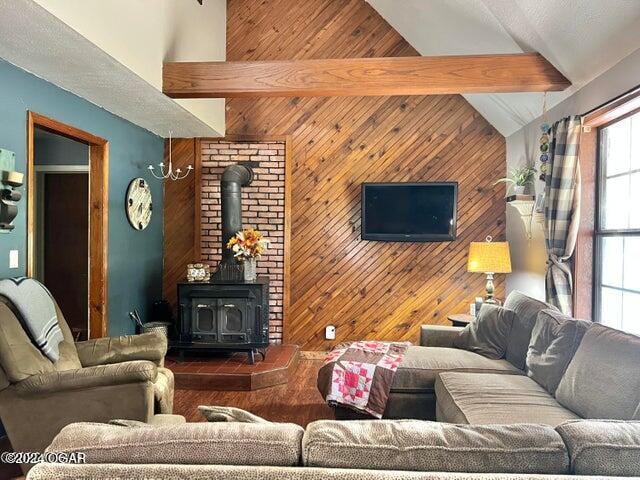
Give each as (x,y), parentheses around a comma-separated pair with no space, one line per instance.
(170,174)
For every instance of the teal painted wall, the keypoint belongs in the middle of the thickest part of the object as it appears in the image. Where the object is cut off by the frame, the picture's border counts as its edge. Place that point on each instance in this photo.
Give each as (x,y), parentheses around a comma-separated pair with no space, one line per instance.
(135,258)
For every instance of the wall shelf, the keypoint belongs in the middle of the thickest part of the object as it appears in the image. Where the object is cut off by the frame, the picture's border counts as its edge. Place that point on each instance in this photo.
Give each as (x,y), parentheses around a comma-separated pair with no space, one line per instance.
(520,198)
(525,205)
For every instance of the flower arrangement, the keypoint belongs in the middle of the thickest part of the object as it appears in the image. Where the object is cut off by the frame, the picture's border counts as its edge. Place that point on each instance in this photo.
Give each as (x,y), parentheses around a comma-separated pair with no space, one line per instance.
(248,244)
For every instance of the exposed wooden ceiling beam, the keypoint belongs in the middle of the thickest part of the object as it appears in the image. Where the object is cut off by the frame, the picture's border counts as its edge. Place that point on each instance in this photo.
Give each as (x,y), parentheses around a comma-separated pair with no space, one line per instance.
(528,72)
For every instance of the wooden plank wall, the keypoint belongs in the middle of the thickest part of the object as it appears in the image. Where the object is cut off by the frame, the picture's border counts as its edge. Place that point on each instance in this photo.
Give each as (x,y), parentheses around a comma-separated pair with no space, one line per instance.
(180,226)
(368,289)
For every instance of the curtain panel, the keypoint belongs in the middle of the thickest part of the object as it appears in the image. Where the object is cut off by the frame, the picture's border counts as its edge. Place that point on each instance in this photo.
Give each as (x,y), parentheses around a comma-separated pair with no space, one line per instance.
(562,210)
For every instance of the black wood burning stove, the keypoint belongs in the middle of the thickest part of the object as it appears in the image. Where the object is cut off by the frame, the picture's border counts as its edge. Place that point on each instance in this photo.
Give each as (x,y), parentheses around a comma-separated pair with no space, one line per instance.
(223,315)
(226,313)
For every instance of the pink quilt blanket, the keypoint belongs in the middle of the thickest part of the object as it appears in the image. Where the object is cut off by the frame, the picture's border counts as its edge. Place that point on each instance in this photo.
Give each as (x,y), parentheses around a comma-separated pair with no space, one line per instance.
(358,375)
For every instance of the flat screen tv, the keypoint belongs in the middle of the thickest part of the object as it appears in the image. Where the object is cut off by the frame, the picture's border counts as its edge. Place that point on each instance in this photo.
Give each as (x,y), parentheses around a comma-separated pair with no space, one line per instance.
(409,212)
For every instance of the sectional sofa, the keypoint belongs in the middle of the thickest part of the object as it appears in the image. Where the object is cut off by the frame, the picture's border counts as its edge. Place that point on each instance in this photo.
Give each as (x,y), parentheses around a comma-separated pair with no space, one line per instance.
(346,450)
(583,370)
(562,401)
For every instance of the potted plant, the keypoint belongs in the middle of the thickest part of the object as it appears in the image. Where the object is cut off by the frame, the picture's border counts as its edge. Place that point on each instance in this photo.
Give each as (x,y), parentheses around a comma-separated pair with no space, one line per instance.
(248,245)
(519,178)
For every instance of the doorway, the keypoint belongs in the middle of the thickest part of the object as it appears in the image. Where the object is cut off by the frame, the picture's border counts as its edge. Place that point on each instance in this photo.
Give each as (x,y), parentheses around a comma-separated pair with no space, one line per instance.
(62,225)
(67,211)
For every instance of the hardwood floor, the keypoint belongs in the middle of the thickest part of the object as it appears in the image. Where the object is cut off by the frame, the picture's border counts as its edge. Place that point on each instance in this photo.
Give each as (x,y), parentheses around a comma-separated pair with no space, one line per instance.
(297,401)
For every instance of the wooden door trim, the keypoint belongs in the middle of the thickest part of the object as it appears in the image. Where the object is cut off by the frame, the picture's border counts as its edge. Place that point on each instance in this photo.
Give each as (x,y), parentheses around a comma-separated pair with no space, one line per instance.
(98,212)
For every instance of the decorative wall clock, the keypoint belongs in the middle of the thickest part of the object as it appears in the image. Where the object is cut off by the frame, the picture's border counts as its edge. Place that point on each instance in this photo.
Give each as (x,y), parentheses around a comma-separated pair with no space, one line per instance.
(138,203)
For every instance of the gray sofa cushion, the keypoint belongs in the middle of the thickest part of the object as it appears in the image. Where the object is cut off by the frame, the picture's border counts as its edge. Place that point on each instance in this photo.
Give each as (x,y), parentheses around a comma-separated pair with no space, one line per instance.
(216,413)
(602,380)
(65,471)
(485,398)
(487,335)
(421,365)
(438,335)
(434,447)
(554,340)
(603,447)
(526,310)
(276,444)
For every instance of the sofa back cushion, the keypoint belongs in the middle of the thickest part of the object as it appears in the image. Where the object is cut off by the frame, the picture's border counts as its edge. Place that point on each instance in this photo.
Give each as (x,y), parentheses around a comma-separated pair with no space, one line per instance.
(554,340)
(434,447)
(603,447)
(526,310)
(487,335)
(269,444)
(20,358)
(603,380)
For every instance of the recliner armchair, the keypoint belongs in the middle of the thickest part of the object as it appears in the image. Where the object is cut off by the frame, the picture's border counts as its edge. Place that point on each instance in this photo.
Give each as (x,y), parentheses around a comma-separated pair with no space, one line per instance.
(93,381)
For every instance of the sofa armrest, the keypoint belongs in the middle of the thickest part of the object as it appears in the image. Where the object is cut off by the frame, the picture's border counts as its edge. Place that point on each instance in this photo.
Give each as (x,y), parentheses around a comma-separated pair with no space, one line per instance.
(102,351)
(4,381)
(438,335)
(83,378)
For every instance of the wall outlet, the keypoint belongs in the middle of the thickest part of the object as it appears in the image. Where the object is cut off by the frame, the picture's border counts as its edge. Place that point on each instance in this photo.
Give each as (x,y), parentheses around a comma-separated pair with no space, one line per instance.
(14,259)
(330,332)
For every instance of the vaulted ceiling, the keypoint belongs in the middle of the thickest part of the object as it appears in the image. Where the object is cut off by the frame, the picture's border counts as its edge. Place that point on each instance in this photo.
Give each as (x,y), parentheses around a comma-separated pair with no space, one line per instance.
(582,38)
(65,44)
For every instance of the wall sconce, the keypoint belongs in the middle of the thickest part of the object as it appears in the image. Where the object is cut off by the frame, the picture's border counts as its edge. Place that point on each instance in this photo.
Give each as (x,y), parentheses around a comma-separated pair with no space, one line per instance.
(9,197)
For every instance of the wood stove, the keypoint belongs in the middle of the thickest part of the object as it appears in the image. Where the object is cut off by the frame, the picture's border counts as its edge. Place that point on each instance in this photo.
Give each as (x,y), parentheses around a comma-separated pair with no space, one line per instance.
(223,315)
(226,313)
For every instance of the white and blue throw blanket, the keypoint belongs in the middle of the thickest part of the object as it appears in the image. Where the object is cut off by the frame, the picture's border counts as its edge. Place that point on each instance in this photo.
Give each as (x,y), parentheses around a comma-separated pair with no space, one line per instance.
(35,304)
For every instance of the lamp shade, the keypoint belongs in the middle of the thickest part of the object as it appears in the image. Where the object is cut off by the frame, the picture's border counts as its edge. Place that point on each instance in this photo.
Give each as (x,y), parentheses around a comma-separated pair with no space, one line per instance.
(489,257)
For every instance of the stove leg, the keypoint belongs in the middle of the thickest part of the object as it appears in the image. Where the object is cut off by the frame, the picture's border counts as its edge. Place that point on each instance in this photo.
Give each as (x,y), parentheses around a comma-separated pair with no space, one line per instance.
(252,358)
(180,358)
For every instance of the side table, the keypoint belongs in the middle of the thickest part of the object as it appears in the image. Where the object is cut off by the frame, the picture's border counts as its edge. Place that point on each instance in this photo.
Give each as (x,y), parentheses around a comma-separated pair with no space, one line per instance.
(460,319)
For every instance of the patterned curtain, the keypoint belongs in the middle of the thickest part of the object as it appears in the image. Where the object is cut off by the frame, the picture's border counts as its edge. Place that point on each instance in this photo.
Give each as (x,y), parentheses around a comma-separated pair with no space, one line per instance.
(562,210)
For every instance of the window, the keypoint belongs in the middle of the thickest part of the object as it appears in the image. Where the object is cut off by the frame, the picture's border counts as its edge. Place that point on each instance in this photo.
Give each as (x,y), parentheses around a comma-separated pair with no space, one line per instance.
(617,230)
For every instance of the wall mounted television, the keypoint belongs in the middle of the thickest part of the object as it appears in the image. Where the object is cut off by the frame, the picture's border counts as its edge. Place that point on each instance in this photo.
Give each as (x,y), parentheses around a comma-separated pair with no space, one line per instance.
(409,212)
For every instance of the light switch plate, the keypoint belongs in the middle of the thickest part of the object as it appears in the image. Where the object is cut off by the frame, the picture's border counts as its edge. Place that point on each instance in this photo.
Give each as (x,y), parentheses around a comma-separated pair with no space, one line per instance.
(14,261)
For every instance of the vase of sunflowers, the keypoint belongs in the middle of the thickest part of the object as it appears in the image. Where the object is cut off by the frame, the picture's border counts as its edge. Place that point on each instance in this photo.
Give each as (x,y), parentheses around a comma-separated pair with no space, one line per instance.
(247,246)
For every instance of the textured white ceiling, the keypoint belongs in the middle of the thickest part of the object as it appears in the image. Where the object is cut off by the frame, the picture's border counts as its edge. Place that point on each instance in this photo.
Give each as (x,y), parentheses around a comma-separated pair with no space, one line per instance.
(37,41)
(582,38)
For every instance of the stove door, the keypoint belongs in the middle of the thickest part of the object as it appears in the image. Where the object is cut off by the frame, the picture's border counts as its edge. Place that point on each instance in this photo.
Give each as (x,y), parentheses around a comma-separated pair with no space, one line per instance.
(204,321)
(235,325)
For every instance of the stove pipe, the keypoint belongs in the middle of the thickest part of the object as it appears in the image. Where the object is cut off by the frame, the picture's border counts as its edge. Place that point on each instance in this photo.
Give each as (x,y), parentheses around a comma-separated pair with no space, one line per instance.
(233,179)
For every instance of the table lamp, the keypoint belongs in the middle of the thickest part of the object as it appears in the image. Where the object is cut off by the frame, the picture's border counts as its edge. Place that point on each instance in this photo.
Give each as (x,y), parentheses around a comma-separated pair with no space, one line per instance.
(489,257)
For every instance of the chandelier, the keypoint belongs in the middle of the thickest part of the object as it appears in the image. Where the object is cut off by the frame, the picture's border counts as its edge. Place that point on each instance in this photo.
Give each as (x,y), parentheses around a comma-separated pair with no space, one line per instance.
(169,174)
